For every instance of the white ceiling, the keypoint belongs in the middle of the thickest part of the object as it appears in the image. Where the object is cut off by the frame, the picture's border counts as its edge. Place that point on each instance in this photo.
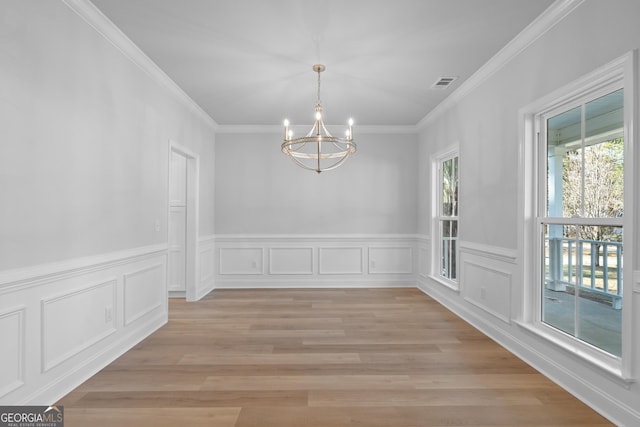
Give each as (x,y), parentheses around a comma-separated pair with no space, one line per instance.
(248,62)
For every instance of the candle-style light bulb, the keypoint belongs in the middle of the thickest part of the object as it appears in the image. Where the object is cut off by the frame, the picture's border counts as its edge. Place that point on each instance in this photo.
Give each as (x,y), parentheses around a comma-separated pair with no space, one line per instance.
(286,128)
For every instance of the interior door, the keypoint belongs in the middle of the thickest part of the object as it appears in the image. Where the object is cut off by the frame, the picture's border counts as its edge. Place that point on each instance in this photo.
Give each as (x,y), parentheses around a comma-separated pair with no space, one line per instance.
(177,224)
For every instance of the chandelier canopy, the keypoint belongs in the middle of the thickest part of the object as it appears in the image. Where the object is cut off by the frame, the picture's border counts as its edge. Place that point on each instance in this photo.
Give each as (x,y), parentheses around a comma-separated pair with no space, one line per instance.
(318,150)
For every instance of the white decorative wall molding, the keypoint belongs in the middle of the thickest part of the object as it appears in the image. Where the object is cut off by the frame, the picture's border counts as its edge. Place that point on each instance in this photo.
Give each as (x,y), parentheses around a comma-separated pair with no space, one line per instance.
(241,260)
(424,255)
(72,322)
(317,282)
(341,260)
(36,275)
(500,254)
(142,295)
(390,260)
(96,19)
(314,261)
(277,129)
(68,320)
(540,26)
(490,271)
(487,287)
(13,333)
(537,354)
(291,260)
(206,266)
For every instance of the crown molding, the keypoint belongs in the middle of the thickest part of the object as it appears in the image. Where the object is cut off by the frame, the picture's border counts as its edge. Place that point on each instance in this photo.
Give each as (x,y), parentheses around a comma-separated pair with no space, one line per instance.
(103,25)
(536,29)
(278,129)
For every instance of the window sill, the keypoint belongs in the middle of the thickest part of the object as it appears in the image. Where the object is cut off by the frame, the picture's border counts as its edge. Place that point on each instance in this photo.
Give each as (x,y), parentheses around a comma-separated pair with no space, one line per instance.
(606,363)
(454,286)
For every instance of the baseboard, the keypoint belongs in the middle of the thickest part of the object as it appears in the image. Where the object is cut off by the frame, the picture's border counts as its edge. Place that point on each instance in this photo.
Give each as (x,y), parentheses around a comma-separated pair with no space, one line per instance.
(59,388)
(314,284)
(66,321)
(534,353)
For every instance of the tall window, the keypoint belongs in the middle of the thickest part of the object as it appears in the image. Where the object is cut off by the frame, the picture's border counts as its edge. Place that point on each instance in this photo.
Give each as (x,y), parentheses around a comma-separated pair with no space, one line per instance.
(446,218)
(580,215)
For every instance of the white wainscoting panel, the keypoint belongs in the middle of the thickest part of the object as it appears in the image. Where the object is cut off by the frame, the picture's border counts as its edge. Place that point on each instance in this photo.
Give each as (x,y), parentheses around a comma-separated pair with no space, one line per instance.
(143,292)
(424,257)
(341,260)
(206,267)
(390,260)
(62,322)
(12,333)
(486,277)
(290,260)
(241,261)
(423,261)
(314,261)
(74,321)
(488,288)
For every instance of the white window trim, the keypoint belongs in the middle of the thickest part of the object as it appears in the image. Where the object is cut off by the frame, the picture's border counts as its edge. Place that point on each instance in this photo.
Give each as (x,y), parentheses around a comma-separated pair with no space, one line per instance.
(436,160)
(624,71)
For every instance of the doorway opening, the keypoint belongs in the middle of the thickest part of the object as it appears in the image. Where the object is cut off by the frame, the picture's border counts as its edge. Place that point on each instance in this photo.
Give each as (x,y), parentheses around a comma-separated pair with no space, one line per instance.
(183,222)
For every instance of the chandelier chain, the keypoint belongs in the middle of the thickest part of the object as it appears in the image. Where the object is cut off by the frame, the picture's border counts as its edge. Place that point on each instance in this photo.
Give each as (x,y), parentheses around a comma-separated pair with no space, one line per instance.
(319,102)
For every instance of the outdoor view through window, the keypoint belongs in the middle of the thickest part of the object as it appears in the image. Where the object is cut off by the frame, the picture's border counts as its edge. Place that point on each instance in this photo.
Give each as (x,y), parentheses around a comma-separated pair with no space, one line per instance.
(582,227)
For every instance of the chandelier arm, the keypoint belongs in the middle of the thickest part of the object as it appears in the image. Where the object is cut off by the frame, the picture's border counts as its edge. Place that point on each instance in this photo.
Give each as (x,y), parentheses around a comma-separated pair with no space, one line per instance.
(336,164)
(313,129)
(324,128)
(302,165)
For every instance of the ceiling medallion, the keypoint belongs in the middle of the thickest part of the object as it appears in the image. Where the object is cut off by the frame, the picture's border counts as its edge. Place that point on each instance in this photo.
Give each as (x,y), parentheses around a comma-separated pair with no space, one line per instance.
(318,150)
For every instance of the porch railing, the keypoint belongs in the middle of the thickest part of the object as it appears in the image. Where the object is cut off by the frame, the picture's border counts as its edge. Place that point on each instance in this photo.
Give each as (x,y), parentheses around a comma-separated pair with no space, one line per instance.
(585,264)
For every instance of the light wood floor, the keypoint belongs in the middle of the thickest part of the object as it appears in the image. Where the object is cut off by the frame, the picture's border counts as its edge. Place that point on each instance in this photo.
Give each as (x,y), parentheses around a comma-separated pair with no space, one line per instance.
(294,358)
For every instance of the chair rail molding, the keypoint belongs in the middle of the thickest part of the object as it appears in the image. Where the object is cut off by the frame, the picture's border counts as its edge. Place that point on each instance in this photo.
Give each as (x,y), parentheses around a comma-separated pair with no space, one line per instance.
(67,320)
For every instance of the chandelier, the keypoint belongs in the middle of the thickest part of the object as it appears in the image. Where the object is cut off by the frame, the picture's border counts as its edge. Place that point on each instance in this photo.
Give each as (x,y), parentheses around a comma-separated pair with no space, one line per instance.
(318,150)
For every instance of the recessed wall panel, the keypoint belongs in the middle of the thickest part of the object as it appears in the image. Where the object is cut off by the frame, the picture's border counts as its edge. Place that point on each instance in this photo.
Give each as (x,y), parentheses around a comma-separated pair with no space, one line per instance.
(341,260)
(423,262)
(75,320)
(12,355)
(241,261)
(206,264)
(144,292)
(291,261)
(390,260)
(487,287)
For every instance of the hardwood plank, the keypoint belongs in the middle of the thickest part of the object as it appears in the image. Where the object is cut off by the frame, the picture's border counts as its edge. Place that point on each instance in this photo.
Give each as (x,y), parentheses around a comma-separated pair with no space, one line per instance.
(191,399)
(282,358)
(162,417)
(308,382)
(336,357)
(440,397)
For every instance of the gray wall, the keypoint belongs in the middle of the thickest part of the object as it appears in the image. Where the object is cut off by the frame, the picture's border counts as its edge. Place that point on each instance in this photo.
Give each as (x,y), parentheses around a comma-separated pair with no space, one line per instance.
(84,151)
(258,190)
(485,124)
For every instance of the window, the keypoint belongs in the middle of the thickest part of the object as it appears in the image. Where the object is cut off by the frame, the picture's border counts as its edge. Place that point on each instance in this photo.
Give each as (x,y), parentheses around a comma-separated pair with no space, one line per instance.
(577,243)
(582,219)
(446,219)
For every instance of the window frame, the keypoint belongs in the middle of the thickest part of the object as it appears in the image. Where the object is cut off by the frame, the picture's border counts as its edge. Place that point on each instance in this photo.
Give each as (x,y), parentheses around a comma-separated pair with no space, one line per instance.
(436,217)
(618,74)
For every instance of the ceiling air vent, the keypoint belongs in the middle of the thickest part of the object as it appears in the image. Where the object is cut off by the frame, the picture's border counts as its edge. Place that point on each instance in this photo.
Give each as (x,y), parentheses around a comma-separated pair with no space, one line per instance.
(443,82)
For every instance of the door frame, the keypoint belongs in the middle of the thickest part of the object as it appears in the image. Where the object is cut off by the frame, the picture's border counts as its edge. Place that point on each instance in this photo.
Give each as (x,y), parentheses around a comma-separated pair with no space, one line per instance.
(192,217)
